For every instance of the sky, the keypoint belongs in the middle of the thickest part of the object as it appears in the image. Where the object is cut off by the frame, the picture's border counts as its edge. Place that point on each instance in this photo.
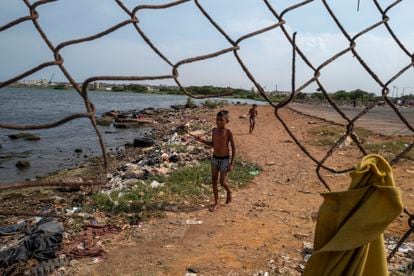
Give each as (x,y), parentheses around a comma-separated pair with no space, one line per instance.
(182,32)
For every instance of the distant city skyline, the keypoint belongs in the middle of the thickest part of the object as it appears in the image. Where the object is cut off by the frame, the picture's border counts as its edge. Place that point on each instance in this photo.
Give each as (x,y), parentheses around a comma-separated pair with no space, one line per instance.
(182,32)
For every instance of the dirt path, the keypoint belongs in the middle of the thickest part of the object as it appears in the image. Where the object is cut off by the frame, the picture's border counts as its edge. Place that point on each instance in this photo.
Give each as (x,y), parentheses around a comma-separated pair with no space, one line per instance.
(262,230)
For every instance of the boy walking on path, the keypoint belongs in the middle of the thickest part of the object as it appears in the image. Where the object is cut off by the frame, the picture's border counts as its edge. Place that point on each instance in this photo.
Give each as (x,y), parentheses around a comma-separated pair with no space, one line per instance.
(221,161)
(252,117)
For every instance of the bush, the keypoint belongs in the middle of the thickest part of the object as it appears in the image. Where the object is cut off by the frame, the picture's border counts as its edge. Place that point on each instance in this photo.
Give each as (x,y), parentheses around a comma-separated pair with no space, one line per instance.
(190,184)
(214,103)
(190,103)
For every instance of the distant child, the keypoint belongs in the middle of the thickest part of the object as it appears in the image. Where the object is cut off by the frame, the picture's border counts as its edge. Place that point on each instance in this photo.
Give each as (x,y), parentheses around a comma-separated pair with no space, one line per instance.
(221,161)
(252,117)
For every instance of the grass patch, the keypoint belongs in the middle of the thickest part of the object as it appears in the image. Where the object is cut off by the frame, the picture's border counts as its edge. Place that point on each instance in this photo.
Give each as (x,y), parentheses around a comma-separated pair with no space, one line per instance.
(187,185)
(178,148)
(390,149)
(328,135)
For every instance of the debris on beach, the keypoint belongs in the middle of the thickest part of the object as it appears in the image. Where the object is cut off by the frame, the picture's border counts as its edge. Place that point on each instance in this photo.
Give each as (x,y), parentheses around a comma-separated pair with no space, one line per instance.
(138,170)
(193,221)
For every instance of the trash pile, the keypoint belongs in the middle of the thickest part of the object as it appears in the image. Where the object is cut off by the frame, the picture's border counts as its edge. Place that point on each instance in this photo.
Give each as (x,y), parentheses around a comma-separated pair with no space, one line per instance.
(402,263)
(39,246)
(170,147)
(77,230)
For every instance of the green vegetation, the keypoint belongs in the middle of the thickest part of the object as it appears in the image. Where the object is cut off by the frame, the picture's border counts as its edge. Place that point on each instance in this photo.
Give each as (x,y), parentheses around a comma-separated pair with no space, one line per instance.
(213,103)
(136,88)
(389,149)
(190,103)
(408,97)
(60,87)
(206,90)
(328,135)
(187,185)
(340,96)
(357,95)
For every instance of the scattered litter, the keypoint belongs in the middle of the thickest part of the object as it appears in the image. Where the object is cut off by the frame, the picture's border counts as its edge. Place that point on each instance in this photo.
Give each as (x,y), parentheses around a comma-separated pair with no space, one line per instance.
(404,248)
(270,164)
(346,143)
(85,215)
(42,241)
(193,221)
(193,269)
(156,184)
(307,248)
(74,262)
(196,133)
(96,260)
(173,138)
(73,210)
(13,229)
(87,242)
(255,172)
(57,199)
(164,156)
(300,236)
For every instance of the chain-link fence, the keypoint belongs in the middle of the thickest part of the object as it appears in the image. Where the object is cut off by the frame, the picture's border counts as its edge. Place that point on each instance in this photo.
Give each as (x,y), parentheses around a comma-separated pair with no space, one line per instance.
(234,46)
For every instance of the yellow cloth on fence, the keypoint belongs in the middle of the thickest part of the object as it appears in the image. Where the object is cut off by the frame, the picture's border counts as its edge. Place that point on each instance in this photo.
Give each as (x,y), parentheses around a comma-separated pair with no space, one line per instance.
(349,231)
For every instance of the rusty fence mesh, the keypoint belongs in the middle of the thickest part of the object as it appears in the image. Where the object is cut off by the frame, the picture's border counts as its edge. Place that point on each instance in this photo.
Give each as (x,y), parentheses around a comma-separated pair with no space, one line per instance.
(234,45)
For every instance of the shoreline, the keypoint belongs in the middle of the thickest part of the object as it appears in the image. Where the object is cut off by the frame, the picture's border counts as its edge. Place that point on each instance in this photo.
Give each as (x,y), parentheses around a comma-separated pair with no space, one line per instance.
(163,93)
(160,130)
(56,145)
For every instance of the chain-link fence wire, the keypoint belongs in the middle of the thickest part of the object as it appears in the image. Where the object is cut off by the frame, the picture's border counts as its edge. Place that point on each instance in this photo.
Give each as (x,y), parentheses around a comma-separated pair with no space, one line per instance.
(234,47)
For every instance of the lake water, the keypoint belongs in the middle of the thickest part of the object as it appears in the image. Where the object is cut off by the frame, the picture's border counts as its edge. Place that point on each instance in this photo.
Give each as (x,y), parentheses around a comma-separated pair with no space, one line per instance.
(55,149)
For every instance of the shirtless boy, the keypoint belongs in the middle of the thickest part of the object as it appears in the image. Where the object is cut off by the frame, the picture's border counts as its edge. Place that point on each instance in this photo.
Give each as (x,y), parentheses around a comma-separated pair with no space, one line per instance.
(221,161)
(252,117)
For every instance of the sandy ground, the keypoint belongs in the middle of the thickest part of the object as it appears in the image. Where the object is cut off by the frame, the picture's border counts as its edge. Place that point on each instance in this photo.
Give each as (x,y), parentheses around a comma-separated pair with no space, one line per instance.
(266,225)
